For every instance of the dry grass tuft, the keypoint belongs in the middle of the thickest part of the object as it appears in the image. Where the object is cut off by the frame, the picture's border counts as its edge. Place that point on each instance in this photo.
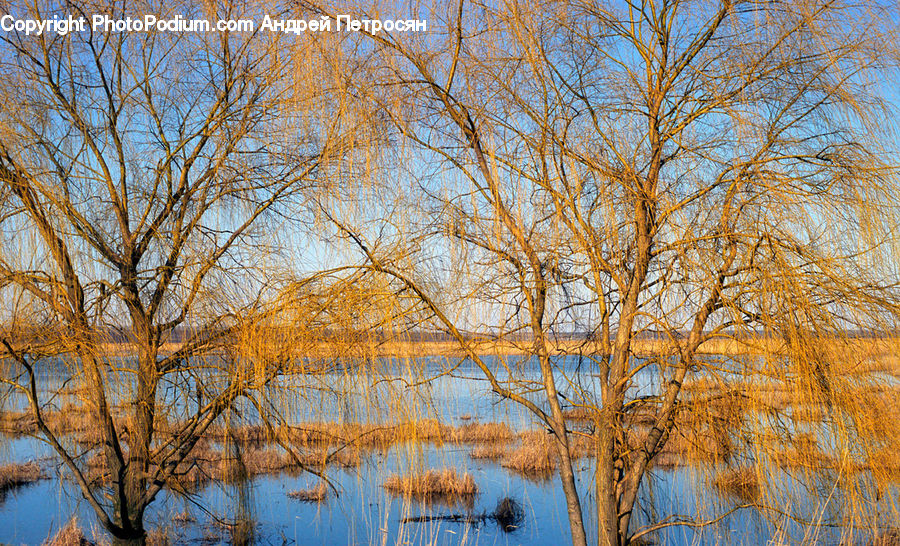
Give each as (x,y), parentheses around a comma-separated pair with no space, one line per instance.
(240,531)
(69,419)
(254,435)
(315,494)
(667,460)
(254,462)
(889,537)
(488,451)
(884,462)
(161,536)
(534,457)
(348,457)
(739,482)
(369,436)
(70,535)
(183,517)
(432,484)
(16,475)
(581,414)
(363,435)
(478,433)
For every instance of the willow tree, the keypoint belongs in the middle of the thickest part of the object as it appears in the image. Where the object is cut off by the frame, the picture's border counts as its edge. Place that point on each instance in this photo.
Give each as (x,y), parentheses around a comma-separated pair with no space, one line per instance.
(618,171)
(145,178)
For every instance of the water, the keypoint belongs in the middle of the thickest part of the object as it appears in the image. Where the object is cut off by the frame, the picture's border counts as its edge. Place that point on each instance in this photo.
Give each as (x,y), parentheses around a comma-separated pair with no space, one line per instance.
(364,513)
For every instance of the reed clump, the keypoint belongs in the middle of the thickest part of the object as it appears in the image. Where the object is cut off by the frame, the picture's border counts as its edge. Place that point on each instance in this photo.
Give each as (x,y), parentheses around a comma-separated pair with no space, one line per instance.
(580,414)
(741,482)
(801,450)
(206,462)
(70,535)
(432,484)
(248,463)
(667,460)
(255,435)
(704,429)
(69,419)
(890,537)
(773,395)
(508,515)
(319,493)
(381,436)
(160,536)
(16,475)
(533,457)
(366,435)
(481,433)
(874,409)
(344,457)
(493,451)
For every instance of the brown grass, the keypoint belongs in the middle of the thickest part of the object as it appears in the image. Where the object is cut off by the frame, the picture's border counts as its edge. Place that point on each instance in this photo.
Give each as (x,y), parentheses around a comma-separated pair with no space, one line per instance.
(535,456)
(667,459)
(70,418)
(889,537)
(314,494)
(432,484)
(242,435)
(207,463)
(160,536)
(580,414)
(16,475)
(739,482)
(70,535)
(812,458)
(867,353)
(253,462)
(347,457)
(492,451)
(371,436)
(478,433)
(364,435)
(183,517)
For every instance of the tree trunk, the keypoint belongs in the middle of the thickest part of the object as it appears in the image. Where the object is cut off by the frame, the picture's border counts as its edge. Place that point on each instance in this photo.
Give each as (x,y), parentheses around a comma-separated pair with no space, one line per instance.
(573,503)
(136,538)
(608,533)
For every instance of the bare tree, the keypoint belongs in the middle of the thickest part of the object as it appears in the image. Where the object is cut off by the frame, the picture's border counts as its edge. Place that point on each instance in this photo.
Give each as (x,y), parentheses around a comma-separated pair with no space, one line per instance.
(143,180)
(673,170)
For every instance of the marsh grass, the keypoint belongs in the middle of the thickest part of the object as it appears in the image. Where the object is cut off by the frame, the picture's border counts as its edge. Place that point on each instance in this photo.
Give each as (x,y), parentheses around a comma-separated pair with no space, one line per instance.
(319,493)
(69,535)
(68,419)
(731,425)
(492,451)
(741,483)
(535,455)
(183,517)
(432,485)
(889,537)
(480,433)
(240,531)
(17,475)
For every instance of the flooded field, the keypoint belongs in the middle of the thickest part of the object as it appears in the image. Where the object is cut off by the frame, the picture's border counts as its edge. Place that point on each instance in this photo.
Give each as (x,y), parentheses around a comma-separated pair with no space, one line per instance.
(493,459)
